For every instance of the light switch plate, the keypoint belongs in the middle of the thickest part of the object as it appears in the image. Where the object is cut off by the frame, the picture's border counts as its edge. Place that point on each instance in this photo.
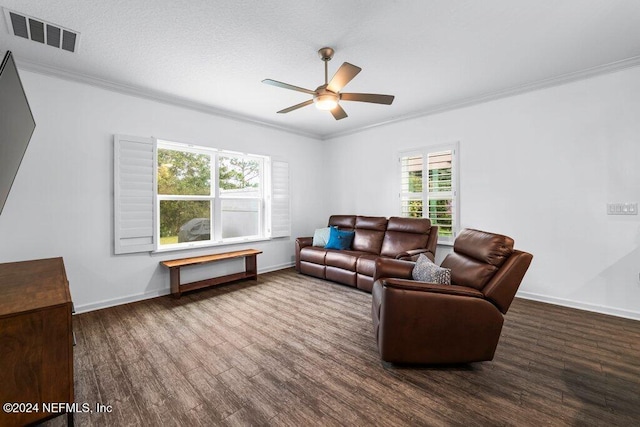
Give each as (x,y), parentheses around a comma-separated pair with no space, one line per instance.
(622,208)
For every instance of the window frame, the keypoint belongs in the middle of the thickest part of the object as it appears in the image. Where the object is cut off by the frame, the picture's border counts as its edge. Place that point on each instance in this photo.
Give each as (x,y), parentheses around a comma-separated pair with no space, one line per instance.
(425,194)
(214,198)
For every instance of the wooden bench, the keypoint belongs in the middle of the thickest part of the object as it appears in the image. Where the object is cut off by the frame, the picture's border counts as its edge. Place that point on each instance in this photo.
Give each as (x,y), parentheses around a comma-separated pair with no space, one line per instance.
(174,265)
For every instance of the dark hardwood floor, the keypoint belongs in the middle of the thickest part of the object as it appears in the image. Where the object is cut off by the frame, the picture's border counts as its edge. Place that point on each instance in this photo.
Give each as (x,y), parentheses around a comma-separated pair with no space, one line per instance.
(293,350)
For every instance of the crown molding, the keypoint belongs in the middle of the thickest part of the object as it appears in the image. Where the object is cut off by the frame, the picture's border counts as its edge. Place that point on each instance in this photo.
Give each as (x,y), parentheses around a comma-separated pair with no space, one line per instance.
(492,96)
(437,109)
(153,95)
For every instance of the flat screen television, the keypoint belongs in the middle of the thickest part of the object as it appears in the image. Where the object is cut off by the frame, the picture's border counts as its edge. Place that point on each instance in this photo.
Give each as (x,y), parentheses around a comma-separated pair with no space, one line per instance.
(16,125)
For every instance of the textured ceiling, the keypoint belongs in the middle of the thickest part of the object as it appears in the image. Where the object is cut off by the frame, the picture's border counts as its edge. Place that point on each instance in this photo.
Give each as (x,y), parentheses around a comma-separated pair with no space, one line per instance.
(430,54)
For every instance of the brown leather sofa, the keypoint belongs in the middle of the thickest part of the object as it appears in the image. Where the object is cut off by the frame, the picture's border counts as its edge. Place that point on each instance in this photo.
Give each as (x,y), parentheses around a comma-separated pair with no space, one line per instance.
(419,322)
(375,237)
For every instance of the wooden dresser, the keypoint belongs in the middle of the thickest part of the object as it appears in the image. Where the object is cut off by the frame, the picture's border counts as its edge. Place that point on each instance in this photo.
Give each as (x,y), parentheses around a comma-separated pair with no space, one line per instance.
(36,340)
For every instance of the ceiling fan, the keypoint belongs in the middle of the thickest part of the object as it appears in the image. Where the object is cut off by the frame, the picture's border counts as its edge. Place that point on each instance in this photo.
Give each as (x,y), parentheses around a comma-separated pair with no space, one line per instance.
(328,95)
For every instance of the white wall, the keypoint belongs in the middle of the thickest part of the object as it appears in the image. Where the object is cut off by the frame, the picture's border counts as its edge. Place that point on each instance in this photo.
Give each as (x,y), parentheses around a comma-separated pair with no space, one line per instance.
(61,200)
(539,167)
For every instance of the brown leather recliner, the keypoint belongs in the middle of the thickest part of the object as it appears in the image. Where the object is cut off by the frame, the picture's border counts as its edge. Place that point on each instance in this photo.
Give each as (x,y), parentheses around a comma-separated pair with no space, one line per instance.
(426,323)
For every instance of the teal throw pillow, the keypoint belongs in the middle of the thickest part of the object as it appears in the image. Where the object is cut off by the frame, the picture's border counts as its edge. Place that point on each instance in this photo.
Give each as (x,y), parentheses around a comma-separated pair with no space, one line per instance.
(339,239)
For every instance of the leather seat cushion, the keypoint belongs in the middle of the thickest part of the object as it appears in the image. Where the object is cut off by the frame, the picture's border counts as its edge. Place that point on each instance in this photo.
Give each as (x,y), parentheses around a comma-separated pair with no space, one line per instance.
(313,254)
(366,264)
(342,259)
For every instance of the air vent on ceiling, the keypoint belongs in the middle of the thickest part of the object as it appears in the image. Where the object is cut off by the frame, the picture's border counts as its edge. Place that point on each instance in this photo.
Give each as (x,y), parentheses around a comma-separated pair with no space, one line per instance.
(41,31)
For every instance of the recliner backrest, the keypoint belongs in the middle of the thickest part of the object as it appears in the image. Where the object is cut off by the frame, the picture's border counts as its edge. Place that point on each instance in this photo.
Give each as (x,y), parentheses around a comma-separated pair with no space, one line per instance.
(343,222)
(487,262)
(476,257)
(503,286)
(369,233)
(404,234)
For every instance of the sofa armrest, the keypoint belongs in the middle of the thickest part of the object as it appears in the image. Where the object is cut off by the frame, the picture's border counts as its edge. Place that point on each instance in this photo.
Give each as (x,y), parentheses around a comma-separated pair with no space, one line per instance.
(432,287)
(413,254)
(304,241)
(301,242)
(389,267)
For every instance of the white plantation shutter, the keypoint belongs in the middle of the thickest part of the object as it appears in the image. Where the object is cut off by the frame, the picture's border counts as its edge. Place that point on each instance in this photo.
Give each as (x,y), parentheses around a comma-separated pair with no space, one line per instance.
(428,188)
(280,200)
(134,192)
(441,199)
(411,204)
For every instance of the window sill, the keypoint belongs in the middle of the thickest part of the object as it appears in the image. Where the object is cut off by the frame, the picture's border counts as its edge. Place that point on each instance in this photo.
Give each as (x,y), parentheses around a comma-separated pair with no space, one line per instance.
(201,245)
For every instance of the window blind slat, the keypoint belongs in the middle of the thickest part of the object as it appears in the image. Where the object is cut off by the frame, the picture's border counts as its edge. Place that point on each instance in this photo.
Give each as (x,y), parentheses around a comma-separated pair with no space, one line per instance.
(133,194)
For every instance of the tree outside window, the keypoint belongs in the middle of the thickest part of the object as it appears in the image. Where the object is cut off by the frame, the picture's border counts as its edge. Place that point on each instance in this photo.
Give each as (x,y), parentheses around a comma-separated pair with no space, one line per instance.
(190,206)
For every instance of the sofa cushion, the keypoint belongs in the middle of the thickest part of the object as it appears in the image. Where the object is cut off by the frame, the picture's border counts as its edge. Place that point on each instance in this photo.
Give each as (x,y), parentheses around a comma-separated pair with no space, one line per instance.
(313,254)
(409,225)
(339,239)
(367,264)
(343,222)
(427,271)
(321,236)
(405,234)
(342,259)
(369,233)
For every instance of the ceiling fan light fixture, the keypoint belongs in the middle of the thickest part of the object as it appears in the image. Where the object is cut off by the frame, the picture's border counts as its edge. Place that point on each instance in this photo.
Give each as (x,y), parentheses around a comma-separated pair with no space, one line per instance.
(326,101)
(327,97)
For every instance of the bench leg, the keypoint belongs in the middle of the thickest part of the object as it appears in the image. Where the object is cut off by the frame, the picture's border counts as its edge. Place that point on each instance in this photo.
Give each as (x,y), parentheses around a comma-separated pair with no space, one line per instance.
(174,274)
(251,266)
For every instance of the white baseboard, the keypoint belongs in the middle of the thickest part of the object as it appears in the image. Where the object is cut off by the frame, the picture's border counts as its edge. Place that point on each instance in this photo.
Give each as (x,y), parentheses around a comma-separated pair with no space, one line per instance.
(596,308)
(119,301)
(276,267)
(154,294)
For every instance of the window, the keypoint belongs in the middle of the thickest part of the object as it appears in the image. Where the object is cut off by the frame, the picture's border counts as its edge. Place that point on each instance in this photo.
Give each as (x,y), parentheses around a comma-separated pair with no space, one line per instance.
(206,195)
(175,196)
(428,188)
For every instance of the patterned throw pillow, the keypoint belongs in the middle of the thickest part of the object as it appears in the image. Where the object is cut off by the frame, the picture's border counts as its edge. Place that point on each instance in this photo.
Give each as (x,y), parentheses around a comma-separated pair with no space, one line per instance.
(426,271)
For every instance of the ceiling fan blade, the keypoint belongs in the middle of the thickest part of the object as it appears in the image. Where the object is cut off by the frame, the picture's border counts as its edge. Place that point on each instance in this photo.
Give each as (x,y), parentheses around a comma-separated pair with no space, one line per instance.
(287,86)
(367,97)
(344,75)
(295,107)
(338,112)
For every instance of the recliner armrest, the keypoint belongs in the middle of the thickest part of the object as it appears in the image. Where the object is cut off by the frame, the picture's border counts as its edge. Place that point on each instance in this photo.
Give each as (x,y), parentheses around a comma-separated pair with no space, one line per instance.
(389,267)
(432,287)
(412,255)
